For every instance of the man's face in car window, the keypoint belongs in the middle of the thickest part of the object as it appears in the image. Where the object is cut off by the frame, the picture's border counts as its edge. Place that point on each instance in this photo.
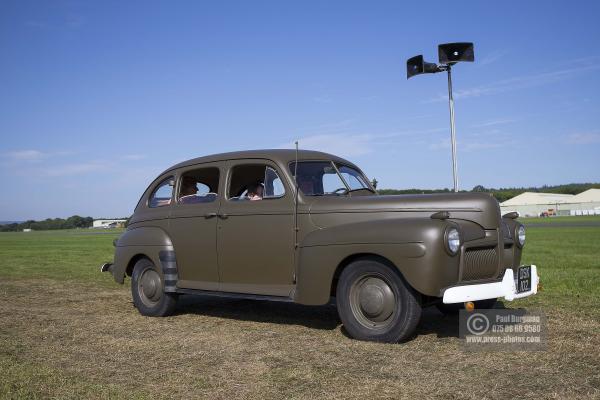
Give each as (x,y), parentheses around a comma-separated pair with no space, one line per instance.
(188,187)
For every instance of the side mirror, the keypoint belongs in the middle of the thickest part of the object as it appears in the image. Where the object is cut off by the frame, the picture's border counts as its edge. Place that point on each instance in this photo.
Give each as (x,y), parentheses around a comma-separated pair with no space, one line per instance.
(451,53)
(416,66)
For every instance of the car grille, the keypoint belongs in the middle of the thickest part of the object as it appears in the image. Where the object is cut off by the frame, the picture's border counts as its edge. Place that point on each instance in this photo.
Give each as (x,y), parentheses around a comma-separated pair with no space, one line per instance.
(480,263)
(505,230)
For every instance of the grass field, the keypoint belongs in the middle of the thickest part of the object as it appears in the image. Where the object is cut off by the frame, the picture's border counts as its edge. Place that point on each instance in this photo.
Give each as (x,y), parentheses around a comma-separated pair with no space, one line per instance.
(590,220)
(67,331)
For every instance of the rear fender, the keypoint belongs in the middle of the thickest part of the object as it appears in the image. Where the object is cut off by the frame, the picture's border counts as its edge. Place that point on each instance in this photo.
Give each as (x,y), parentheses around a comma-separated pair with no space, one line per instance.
(149,242)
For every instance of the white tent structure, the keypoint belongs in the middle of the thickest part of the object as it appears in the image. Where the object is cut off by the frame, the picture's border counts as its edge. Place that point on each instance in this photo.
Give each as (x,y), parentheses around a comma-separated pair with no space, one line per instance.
(532,204)
(585,203)
(589,196)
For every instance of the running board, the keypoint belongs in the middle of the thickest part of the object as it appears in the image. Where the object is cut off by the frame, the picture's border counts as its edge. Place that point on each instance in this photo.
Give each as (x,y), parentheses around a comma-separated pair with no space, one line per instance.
(245,296)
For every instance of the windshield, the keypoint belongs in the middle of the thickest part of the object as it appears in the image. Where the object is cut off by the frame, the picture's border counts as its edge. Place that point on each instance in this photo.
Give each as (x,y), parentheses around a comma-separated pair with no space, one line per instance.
(353,178)
(318,178)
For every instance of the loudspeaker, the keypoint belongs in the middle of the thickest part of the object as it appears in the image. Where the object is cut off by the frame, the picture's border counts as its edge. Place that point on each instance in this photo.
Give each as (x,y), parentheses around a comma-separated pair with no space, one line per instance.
(451,53)
(416,66)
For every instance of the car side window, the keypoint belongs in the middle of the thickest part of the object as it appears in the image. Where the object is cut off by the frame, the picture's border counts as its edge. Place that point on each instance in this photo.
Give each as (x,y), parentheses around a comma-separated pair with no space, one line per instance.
(273,184)
(199,186)
(254,182)
(162,194)
(332,183)
(352,177)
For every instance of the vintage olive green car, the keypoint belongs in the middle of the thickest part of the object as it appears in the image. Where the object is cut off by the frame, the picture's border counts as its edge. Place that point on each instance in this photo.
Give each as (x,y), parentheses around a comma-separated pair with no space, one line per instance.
(306,227)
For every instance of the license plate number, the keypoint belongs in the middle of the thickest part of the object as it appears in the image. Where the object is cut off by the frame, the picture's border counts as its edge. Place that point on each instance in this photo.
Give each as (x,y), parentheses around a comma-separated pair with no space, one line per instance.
(523,279)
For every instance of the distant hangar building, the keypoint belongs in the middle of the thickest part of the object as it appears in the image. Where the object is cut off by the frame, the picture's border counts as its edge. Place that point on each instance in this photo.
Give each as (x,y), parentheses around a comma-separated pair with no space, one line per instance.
(109,223)
(533,204)
(585,203)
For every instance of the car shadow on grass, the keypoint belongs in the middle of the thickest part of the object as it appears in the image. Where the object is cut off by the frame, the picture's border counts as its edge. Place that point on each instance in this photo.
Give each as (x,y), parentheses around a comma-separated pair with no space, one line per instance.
(432,322)
(435,322)
(316,317)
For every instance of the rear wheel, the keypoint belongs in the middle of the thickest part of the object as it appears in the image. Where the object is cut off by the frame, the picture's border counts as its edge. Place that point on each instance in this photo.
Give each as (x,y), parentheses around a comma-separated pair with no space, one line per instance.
(375,303)
(147,290)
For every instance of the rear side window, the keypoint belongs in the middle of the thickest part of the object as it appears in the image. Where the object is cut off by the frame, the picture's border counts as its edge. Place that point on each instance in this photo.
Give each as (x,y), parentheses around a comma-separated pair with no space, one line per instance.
(255,182)
(161,196)
(199,186)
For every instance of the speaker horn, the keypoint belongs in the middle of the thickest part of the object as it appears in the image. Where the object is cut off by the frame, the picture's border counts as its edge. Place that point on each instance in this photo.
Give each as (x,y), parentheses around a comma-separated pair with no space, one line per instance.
(416,66)
(451,53)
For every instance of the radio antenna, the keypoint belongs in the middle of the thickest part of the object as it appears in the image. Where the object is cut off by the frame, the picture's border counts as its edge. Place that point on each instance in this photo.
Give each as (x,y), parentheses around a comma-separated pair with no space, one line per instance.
(296,213)
(296,198)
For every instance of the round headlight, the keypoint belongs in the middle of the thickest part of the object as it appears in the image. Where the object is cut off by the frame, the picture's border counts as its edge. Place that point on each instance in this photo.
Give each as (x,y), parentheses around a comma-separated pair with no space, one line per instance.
(453,240)
(521,235)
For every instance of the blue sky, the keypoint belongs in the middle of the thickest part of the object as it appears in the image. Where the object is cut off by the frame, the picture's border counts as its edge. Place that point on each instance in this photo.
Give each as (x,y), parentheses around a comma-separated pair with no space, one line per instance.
(98,97)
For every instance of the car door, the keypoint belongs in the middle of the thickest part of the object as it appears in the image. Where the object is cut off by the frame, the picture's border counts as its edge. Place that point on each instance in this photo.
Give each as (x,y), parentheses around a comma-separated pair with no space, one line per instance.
(255,239)
(193,227)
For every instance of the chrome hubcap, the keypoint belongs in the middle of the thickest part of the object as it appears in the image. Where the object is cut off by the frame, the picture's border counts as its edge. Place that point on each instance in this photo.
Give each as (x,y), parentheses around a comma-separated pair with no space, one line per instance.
(150,287)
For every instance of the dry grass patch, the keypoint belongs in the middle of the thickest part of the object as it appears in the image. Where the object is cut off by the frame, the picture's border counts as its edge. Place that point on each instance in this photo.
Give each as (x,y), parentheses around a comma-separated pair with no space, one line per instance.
(73,340)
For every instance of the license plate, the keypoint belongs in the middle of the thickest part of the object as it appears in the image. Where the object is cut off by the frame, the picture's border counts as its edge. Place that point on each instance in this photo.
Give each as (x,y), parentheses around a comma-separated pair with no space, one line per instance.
(523,280)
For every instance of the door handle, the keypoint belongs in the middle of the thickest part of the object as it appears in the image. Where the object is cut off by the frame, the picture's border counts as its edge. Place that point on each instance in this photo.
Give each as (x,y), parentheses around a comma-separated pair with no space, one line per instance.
(210,215)
(223,216)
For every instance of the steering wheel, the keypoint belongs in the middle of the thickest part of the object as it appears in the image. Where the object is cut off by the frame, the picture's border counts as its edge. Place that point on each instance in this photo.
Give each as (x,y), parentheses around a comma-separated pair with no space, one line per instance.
(339,190)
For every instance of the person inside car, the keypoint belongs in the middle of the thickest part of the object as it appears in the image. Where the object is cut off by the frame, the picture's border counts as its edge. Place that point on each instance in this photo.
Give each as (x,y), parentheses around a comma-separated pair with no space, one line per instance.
(187,194)
(255,192)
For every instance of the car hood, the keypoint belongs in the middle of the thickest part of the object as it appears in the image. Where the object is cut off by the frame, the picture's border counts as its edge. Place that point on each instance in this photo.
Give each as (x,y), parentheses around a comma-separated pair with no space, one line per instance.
(477,207)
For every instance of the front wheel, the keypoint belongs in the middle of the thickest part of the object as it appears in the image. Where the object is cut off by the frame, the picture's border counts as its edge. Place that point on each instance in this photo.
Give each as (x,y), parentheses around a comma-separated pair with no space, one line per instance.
(147,290)
(375,303)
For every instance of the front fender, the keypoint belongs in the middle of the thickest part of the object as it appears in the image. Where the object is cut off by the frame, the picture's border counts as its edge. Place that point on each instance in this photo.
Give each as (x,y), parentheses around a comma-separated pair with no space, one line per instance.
(414,245)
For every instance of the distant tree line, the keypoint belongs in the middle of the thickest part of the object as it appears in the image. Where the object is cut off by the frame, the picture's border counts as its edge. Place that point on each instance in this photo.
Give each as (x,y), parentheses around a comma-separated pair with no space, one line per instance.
(503,194)
(50,224)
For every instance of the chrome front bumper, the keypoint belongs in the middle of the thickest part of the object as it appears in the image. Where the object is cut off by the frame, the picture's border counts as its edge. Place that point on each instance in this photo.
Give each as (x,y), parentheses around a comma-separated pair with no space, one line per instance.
(506,289)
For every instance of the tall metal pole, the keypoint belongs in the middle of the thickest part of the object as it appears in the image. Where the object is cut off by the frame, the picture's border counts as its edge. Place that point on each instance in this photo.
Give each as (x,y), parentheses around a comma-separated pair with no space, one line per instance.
(452,129)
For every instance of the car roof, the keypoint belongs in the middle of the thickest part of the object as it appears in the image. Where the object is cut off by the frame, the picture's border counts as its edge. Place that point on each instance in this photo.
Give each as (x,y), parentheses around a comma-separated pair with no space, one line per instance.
(282,156)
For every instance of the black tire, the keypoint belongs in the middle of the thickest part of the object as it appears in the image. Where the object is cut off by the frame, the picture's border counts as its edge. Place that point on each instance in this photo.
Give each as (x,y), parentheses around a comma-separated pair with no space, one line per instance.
(454,308)
(375,303)
(147,290)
